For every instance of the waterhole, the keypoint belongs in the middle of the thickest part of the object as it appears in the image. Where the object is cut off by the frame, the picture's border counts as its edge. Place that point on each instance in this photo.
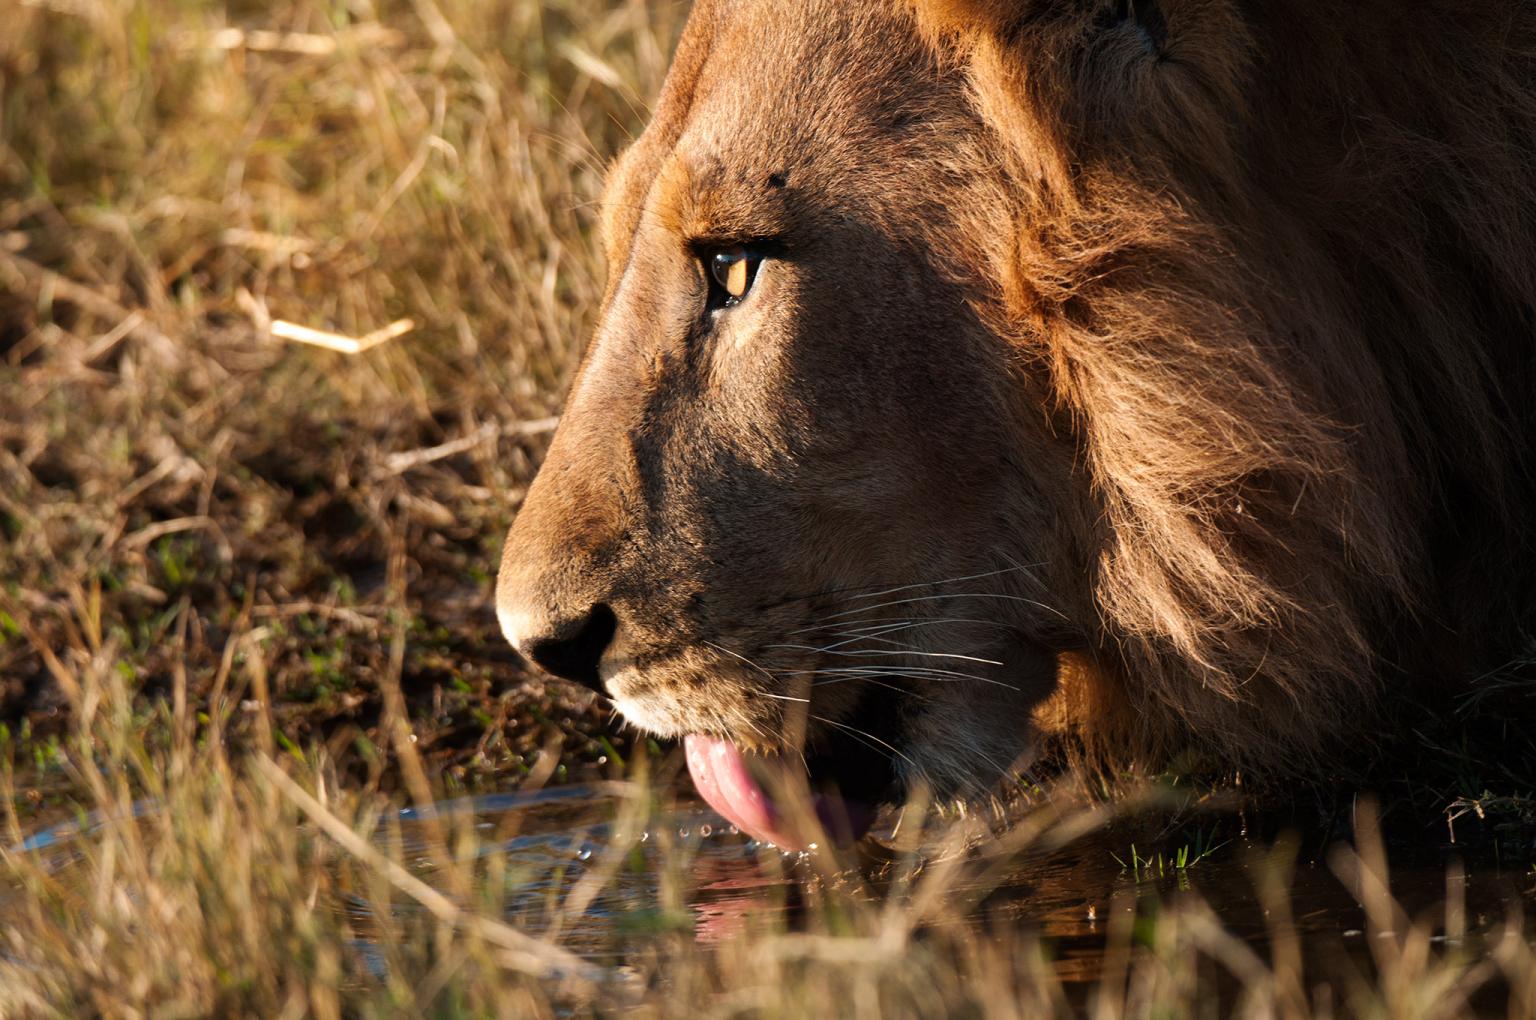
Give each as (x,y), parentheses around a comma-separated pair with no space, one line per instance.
(685,869)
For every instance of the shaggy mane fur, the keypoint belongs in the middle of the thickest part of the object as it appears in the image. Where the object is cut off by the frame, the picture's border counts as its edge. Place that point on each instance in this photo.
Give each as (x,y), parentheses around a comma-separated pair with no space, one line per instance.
(1280,262)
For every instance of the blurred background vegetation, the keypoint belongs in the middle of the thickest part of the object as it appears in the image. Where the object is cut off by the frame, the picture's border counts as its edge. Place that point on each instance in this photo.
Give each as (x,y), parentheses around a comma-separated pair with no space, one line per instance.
(196,499)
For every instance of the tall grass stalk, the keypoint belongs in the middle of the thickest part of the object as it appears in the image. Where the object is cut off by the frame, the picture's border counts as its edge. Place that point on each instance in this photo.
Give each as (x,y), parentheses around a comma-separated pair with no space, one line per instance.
(207,882)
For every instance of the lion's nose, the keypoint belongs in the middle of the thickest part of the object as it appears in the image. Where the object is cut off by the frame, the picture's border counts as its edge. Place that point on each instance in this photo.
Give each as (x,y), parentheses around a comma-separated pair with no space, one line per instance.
(573,647)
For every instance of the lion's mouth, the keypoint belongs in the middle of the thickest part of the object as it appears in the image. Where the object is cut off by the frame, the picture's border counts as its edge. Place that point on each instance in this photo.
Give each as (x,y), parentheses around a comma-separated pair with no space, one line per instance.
(836,794)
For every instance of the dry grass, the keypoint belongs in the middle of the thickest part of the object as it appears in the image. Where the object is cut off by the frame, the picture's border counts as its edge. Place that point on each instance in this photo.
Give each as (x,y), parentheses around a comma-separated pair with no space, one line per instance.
(261,884)
(175,184)
(246,580)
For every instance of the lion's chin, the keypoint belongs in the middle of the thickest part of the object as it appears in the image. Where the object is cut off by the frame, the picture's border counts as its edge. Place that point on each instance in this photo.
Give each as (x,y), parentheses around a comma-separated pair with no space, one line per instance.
(772,802)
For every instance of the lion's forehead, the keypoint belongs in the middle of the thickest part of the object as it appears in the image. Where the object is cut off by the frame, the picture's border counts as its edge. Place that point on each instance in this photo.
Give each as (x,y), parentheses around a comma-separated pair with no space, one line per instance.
(795,109)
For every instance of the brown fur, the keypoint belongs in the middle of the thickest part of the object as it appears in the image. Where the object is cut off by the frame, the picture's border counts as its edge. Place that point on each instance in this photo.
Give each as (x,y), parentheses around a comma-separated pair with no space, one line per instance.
(1202,328)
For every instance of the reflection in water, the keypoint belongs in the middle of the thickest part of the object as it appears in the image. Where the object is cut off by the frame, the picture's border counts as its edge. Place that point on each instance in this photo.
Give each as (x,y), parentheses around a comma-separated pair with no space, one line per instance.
(1067,897)
(541,845)
(731,890)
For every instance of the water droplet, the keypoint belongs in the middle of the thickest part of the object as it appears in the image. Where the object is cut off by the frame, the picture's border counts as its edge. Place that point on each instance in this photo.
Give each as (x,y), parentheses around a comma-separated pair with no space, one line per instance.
(602,759)
(811,847)
(734,831)
(584,855)
(682,833)
(645,836)
(705,831)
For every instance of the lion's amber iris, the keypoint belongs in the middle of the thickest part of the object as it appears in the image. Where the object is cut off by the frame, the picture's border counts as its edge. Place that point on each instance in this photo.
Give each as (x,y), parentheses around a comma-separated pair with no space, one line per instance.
(734,271)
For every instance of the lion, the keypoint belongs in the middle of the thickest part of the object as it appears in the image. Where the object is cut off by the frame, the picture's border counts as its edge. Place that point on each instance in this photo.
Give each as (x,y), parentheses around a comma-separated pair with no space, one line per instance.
(978,380)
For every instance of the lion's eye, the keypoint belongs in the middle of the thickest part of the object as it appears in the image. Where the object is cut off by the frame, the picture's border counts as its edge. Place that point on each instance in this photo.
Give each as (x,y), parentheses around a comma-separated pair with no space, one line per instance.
(731,274)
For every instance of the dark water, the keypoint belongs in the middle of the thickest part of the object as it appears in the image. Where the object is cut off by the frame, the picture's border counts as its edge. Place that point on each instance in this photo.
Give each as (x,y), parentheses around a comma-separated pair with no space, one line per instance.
(1065,896)
(546,842)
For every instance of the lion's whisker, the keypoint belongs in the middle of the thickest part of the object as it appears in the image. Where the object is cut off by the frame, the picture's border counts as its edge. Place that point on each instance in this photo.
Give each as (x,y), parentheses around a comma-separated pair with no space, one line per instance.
(760,669)
(840,673)
(949,595)
(867,632)
(953,580)
(892,626)
(1000,769)
(876,633)
(1024,568)
(890,643)
(923,670)
(901,675)
(865,735)
(738,655)
(892,687)
(856,652)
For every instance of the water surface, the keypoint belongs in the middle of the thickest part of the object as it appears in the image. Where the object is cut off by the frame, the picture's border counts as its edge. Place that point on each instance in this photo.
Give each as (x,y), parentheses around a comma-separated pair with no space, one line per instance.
(686,868)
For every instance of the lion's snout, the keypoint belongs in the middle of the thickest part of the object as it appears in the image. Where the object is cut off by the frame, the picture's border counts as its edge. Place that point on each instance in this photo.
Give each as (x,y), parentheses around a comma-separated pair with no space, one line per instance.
(552,611)
(563,567)
(569,647)
(551,607)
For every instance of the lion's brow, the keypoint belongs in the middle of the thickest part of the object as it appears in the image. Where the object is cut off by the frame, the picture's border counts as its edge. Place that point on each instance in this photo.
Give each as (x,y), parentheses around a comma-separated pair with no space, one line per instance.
(705,201)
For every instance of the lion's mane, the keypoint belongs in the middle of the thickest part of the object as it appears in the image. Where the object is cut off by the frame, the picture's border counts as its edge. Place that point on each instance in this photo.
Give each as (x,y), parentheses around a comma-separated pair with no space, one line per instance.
(1280,263)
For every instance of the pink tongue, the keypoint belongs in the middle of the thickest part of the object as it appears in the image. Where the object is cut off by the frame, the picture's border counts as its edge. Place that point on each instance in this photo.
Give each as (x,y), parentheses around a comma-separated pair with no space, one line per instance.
(719,771)
(720,775)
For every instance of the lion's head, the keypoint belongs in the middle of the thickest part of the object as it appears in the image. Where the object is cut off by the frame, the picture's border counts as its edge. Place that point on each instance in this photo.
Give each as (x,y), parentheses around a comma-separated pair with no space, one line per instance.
(976,373)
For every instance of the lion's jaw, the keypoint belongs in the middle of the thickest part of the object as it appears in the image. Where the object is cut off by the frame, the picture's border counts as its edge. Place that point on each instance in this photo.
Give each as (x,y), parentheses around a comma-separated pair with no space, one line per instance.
(813,523)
